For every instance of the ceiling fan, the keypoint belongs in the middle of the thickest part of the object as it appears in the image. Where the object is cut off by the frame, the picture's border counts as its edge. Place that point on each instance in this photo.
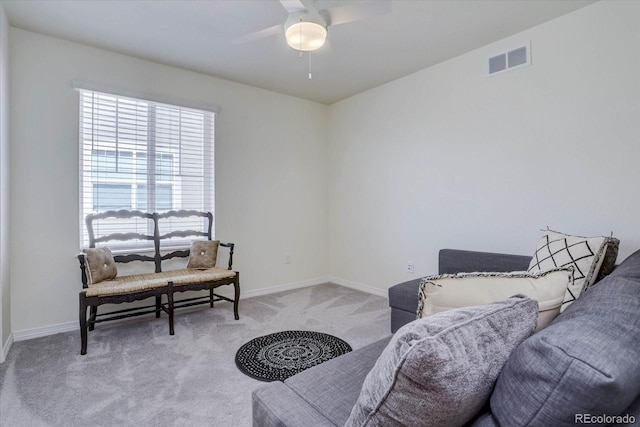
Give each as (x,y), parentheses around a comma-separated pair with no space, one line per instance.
(306,27)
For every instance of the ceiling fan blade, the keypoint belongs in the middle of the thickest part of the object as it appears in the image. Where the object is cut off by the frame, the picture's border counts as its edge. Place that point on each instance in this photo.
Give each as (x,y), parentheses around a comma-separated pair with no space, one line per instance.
(293,6)
(262,34)
(326,50)
(357,11)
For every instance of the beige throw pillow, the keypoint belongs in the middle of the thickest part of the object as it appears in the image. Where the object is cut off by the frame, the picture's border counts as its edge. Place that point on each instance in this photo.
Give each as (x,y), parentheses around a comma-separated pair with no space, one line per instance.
(203,254)
(448,291)
(101,265)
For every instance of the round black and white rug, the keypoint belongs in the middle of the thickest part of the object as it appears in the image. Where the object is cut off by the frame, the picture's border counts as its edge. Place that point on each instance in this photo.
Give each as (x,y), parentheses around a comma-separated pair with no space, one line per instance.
(276,357)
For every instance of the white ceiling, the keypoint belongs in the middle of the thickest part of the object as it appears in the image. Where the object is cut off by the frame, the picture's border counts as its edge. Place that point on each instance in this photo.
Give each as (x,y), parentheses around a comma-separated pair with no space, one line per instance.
(392,39)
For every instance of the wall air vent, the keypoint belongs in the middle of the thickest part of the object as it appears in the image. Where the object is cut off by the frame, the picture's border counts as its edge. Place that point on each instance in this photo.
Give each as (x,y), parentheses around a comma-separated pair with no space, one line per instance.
(513,58)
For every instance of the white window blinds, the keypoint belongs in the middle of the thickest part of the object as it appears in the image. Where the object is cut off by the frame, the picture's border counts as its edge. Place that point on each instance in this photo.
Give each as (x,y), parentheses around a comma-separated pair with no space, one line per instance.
(142,155)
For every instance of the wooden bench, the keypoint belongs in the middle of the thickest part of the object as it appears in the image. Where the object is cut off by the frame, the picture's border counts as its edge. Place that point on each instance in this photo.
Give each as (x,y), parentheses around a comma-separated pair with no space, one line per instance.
(129,288)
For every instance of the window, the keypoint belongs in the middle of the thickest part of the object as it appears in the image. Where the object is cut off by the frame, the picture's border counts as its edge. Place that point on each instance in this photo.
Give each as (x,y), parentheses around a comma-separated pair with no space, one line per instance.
(138,154)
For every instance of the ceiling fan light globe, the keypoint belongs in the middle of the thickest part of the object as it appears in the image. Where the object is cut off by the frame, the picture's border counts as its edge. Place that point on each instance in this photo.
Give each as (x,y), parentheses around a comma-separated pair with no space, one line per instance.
(306,36)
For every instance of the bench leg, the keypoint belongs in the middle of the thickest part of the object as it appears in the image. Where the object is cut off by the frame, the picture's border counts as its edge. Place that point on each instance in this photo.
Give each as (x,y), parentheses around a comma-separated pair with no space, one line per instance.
(236,287)
(158,306)
(211,297)
(170,307)
(83,324)
(93,312)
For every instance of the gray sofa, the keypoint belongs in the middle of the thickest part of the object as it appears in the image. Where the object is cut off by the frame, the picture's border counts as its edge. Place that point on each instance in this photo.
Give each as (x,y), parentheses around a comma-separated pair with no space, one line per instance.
(585,364)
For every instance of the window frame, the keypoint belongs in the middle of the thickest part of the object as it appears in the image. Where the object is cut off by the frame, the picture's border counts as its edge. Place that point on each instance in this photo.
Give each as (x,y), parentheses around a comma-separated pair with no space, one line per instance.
(153,177)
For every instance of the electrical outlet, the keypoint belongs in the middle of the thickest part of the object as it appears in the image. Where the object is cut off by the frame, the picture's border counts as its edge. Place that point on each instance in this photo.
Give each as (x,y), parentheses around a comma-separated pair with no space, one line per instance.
(287,258)
(409,266)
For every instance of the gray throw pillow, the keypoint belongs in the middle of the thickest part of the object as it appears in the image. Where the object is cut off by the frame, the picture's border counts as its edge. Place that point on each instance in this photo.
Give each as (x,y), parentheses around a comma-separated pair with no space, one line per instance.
(440,370)
(587,362)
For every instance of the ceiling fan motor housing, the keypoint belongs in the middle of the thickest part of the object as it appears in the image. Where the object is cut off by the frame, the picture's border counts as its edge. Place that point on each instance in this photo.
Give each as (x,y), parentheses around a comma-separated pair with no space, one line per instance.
(305,32)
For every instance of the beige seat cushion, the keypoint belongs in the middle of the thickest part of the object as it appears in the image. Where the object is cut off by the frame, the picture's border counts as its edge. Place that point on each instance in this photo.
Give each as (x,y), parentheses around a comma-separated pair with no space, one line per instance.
(142,282)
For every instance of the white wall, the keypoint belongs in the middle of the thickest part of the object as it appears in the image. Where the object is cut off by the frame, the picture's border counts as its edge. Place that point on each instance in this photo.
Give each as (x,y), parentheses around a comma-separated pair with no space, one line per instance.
(271,165)
(448,157)
(5,293)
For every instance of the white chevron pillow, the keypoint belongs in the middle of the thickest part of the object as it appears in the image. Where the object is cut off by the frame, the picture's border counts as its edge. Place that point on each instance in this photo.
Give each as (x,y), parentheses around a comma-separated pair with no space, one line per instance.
(591,258)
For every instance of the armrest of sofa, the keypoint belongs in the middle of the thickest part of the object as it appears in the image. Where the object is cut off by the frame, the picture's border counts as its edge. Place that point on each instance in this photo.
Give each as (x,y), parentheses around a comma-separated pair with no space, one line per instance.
(276,405)
(403,300)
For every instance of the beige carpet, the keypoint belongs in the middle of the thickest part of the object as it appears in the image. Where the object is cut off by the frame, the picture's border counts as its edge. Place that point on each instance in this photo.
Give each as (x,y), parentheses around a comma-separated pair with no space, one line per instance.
(136,374)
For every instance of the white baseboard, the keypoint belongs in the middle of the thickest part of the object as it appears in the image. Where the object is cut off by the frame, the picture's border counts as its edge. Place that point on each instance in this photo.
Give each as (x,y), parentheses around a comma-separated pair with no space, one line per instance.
(285,287)
(44,331)
(359,287)
(6,347)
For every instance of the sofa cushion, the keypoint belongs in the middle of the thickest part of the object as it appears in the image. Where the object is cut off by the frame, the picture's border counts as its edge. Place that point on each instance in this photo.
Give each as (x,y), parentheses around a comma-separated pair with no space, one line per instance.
(203,254)
(332,387)
(101,265)
(440,370)
(322,395)
(276,405)
(586,361)
(448,291)
(590,257)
